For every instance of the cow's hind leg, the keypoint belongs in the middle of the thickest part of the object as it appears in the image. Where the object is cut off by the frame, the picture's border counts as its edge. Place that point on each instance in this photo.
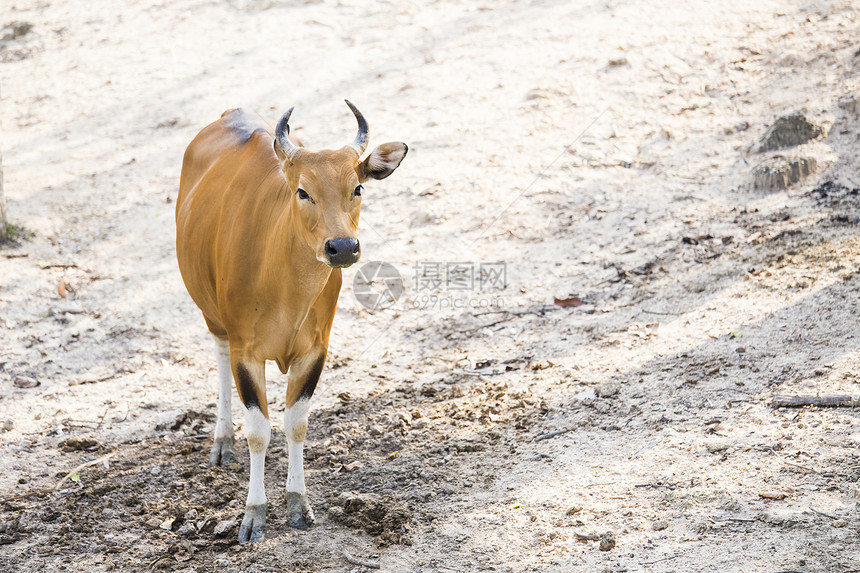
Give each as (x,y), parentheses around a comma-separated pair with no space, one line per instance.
(304,375)
(222,448)
(251,383)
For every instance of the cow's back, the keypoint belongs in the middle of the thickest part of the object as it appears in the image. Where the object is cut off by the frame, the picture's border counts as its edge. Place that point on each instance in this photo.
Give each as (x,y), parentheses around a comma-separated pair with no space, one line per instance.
(228,162)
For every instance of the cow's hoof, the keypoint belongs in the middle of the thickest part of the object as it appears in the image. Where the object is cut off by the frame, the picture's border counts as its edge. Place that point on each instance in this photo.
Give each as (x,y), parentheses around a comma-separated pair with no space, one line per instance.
(222,452)
(253,527)
(299,511)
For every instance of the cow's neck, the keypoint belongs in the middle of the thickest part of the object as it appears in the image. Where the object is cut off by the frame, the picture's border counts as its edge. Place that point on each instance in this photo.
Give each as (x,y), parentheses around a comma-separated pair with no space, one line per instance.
(303,270)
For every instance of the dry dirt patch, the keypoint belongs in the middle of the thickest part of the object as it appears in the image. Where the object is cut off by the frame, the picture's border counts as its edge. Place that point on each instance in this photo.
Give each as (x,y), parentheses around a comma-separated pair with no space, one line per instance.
(603,160)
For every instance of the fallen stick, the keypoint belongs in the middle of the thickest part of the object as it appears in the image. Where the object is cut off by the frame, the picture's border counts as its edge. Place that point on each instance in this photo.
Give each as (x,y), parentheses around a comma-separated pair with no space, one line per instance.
(58,266)
(354,561)
(549,435)
(822,513)
(59,483)
(664,559)
(80,467)
(810,470)
(832,401)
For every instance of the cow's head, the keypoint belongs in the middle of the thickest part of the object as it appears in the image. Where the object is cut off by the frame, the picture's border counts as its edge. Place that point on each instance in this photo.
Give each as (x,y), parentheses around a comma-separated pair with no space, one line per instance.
(326,188)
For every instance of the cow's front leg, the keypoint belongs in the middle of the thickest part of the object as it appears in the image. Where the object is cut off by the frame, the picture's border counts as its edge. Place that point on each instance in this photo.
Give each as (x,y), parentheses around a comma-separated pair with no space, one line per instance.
(304,375)
(251,383)
(222,449)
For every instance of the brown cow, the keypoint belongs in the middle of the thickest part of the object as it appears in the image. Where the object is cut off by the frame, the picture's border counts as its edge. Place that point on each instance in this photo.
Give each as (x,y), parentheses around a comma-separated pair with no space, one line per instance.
(263,227)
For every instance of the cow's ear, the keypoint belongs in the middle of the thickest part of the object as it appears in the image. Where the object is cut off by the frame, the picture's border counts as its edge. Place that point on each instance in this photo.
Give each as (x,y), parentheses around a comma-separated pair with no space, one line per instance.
(382,161)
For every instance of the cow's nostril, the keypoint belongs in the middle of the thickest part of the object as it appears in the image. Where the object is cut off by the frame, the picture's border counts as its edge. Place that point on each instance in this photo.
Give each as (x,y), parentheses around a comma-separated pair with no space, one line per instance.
(342,251)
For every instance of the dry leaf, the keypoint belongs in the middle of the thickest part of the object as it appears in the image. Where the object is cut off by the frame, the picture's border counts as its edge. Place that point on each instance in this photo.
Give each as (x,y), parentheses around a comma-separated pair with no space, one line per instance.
(65,289)
(571,302)
(349,467)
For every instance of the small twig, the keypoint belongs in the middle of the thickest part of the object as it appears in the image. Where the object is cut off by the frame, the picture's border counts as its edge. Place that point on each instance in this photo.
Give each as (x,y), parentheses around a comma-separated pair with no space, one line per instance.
(25,495)
(657,485)
(553,434)
(354,561)
(94,380)
(790,571)
(645,448)
(832,401)
(586,536)
(511,314)
(81,424)
(659,560)
(501,311)
(80,467)
(102,419)
(16,255)
(822,513)
(59,266)
(56,488)
(646,311)
(810,470)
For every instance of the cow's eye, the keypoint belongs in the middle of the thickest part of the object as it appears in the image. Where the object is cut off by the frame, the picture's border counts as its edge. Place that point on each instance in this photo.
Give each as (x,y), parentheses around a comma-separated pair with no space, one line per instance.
(303,194)
(357,191)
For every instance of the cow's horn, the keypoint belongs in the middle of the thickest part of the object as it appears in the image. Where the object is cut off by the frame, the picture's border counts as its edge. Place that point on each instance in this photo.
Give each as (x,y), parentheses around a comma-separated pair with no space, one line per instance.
(282,133)
(360,143)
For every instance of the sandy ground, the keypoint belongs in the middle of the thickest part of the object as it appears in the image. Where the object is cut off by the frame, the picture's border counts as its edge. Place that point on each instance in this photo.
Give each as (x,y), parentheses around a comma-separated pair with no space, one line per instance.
(599,150)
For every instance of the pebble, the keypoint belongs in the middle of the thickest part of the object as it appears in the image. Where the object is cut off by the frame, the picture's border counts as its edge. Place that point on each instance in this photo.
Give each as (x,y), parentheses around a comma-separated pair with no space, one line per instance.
(714,445)
(790,130)
(839,523)
(224,528)
(587,394)
(77,443)
(780,172)
(781,516)
(607,542)
(171,420)
(25,382)
(660,525)
(607,389)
